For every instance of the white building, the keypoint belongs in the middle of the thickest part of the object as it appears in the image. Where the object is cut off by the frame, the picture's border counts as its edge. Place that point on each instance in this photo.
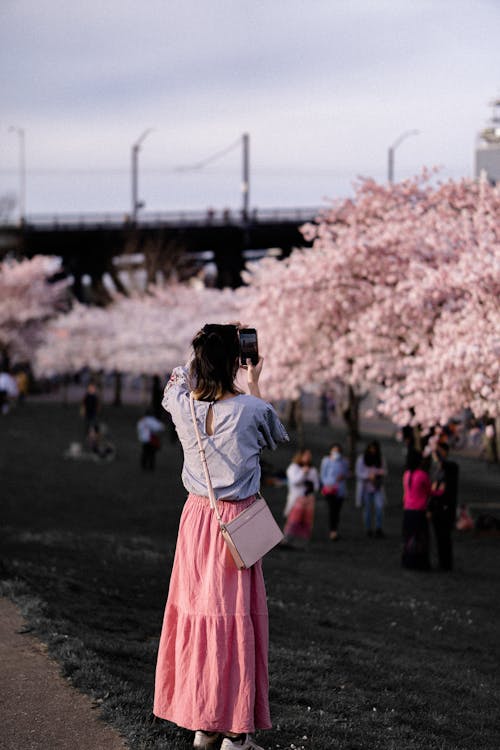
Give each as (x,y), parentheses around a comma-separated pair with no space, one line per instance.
(488,147)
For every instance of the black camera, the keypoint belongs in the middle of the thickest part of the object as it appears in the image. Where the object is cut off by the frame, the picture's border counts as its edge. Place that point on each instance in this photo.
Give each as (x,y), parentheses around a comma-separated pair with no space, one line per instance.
(248,346)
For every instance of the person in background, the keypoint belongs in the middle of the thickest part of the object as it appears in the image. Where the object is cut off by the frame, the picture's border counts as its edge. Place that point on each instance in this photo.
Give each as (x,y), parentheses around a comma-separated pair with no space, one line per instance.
(99,443)
(333,474)
(465,522)
(299,524)
(8,391)
(299,471)
(323,409)
(490,440)
(327,407)
(370,495)
(22,382)
(412,442)
(416,493)
(90,408)
(148,432)
(443,503)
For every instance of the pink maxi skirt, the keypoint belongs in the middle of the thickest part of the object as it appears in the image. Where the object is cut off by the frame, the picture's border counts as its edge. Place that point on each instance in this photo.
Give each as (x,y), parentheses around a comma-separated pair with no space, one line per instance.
(212,669)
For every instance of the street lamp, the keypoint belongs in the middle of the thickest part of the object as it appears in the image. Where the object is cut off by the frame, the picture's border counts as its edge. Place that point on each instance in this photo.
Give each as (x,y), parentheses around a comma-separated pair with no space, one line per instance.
(392,149)
(136,203)
(245,185)
(22,170)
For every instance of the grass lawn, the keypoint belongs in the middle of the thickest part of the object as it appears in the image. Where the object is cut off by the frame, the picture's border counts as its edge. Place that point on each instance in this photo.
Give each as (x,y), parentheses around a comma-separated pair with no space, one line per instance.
(364,655)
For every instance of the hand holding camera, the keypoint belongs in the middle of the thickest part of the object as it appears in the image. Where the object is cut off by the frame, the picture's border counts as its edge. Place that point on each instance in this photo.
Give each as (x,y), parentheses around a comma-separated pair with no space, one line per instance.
(249,358)
(249,349)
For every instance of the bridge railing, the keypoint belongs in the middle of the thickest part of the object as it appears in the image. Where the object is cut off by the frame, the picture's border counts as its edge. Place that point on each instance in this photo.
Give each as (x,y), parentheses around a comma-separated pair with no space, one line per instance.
(114,219)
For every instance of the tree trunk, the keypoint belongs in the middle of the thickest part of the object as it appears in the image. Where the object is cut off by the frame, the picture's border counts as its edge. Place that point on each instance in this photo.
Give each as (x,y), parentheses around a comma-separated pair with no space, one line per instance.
(100,295)
(492,441)
(295,421)
(146,390)
(4,360)
(65,387)
(97,378)
(351,418)
(300,424)
(120,287)
(117,401)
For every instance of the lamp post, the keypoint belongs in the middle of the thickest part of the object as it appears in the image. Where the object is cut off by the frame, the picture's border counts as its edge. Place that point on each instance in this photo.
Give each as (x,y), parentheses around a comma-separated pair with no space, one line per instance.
(22,170)
(136,203)
(392,149)
(245,185)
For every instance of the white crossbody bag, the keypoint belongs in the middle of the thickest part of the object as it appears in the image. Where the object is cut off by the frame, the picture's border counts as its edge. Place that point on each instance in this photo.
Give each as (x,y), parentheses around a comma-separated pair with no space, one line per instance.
(254,532)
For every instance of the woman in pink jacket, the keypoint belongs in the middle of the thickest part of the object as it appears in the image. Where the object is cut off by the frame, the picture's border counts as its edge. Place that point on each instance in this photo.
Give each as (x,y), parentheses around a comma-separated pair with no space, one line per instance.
(416,493)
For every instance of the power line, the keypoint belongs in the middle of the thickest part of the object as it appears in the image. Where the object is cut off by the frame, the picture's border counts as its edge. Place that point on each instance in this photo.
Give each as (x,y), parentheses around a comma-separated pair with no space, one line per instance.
(48,171)
(209,159)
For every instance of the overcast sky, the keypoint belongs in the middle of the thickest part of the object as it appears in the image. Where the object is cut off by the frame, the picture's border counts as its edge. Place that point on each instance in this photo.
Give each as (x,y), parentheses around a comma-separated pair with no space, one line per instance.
(323,87)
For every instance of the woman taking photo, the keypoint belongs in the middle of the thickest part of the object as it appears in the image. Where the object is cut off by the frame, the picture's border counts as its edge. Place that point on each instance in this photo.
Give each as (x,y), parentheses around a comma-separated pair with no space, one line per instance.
(211,675)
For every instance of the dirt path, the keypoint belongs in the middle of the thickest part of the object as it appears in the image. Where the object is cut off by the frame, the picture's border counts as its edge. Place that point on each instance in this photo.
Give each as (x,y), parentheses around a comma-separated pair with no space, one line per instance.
(39,708)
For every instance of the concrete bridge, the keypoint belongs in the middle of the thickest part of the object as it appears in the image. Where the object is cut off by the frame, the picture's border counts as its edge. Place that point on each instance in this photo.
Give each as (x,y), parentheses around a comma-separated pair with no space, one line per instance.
(95,244)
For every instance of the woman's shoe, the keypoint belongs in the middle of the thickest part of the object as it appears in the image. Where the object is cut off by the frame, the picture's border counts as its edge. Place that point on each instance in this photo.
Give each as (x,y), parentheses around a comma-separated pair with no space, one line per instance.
(243,743)
(204,740)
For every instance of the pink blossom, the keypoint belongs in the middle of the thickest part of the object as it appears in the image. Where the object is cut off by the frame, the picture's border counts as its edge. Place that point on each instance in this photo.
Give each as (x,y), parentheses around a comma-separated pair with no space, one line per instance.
(27,302)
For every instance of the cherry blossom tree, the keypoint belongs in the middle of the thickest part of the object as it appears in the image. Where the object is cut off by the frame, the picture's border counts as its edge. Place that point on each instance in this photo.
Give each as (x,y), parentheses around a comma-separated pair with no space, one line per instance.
(433,338)
(388,274)
(27,301)
(141,334)
(458,365)
(400,289)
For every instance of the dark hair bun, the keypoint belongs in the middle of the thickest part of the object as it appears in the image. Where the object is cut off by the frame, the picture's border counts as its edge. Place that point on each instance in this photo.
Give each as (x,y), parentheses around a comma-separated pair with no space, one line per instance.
(216,350)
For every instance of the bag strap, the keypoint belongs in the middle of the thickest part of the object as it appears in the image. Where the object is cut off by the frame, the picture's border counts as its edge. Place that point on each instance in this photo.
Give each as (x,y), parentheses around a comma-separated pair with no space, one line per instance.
(201,450)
